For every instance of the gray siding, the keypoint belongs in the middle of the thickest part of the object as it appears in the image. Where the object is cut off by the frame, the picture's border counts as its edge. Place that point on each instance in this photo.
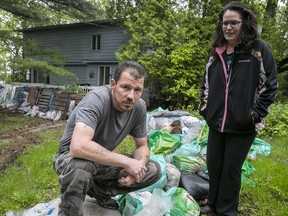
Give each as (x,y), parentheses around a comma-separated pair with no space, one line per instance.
(75,43)
(79,71)
(82,73)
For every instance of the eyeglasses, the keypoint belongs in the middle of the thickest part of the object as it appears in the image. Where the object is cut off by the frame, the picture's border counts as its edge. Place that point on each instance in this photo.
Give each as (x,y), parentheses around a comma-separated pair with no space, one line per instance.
(233,23)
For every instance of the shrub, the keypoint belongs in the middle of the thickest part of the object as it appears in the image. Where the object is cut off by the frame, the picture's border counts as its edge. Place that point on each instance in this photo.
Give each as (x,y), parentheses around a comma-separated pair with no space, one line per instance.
(276,121)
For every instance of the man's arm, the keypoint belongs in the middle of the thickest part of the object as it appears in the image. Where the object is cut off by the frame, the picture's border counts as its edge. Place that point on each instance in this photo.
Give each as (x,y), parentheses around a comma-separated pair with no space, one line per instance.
(83,147)
(142,154)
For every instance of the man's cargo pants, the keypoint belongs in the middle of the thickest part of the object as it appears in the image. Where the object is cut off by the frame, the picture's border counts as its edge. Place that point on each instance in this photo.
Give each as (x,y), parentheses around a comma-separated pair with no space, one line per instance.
(79,177)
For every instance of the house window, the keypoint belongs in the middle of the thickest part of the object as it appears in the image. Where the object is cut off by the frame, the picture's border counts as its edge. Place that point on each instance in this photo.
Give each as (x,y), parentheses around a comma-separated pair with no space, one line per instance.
(96,42)
(104,75)
(38,77)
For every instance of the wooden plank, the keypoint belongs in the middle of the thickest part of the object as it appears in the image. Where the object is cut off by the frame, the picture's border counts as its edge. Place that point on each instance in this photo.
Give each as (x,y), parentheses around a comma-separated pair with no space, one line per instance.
(62,95)
(45,97)
(44,101)
(32,95)
(59,103)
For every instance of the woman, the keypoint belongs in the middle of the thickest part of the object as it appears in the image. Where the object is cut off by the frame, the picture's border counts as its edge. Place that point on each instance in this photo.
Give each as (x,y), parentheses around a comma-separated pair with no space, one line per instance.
(239,85)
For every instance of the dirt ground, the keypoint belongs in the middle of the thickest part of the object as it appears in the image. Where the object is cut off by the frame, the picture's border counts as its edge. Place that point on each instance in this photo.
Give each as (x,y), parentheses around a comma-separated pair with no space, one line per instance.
(15,141)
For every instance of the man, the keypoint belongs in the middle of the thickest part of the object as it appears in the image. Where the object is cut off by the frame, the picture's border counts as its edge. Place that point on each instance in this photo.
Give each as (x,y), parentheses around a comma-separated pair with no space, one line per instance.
(85,161)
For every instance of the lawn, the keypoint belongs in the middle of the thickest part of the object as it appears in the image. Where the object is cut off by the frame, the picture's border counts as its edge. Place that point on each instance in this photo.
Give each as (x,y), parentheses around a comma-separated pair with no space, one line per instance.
(270,195)
(30,179)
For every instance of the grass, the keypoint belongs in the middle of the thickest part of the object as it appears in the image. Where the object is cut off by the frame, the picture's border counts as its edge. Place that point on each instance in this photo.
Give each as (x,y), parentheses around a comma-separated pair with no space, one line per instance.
(31,179)
(126,146)
(9,120)
(270,195)
(23,123)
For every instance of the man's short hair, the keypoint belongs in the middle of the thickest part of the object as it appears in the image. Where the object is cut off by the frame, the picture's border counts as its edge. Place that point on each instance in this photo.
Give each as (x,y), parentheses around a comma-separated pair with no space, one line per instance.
(132,67)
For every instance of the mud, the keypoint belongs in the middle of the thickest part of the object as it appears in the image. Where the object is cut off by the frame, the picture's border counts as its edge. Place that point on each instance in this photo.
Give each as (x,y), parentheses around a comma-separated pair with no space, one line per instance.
(14,140)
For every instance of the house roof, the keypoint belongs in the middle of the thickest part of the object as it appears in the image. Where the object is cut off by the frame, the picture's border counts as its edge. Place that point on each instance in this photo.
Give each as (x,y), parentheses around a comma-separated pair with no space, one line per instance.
(100,23)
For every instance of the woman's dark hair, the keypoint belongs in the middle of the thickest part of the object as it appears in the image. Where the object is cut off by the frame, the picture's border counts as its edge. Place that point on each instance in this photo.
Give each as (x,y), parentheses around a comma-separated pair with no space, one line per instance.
(249,26)
(132,67)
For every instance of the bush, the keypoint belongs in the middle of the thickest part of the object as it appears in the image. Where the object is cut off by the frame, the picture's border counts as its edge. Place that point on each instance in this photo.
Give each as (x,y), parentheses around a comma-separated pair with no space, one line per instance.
(276,121)
(282,93)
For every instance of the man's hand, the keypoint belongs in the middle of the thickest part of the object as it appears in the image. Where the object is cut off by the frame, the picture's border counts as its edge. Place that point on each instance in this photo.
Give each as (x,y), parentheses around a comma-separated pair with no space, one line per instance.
(136,169)
(127,179)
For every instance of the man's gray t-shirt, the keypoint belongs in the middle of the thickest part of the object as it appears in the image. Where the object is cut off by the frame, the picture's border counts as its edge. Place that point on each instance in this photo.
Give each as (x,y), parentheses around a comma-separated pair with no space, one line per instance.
(111,126)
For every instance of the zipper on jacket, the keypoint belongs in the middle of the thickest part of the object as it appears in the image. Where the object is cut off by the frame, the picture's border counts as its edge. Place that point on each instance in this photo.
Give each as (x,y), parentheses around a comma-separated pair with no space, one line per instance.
(227,78)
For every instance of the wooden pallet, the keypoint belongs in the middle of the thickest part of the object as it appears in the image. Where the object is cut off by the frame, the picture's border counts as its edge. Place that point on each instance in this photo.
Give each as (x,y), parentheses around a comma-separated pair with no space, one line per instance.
(77,98)
(61,103)
(44,99)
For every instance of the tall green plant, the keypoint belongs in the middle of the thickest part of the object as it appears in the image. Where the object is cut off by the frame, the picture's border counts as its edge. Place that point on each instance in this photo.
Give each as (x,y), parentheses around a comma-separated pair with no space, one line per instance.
(171,39)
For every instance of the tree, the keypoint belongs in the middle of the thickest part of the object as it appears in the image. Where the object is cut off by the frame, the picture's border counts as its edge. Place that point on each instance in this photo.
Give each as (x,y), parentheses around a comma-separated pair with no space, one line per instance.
(273,17)
(19,14)
(171,39)
(39,12)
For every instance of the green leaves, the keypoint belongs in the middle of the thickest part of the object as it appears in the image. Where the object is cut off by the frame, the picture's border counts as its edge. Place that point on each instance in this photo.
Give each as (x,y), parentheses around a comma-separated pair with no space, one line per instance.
(21,14)
(52,11)
(43,66)
(172,43)
(172,40)
(276,121)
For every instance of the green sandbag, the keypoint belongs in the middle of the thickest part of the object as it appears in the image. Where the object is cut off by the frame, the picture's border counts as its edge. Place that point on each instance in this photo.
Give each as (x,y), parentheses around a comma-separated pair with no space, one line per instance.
(184,204)
(189,163)
(162,142)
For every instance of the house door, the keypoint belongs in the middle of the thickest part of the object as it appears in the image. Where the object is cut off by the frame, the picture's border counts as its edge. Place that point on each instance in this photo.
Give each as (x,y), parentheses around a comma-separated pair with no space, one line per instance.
(38,77)
(104,75)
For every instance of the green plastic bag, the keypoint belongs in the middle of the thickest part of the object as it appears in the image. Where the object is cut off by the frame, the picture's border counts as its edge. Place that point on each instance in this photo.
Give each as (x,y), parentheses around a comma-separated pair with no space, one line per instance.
(192,149)
(162,182)
(184,204)
(247,168)
(159,203)
(259,147)
(129,205)
(247,181)
(162,142)
(246,171)
(189,163)
(202,138)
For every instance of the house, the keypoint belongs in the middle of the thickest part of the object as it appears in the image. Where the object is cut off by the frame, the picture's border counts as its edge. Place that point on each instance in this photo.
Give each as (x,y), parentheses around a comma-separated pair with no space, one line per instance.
(89,48)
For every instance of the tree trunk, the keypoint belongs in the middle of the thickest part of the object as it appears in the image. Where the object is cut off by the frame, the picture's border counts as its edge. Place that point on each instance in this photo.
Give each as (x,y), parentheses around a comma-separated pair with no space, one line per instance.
(271,7)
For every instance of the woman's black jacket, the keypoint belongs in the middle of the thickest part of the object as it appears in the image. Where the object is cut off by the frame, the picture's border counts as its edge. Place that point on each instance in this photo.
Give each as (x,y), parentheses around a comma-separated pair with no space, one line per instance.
(238,103)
